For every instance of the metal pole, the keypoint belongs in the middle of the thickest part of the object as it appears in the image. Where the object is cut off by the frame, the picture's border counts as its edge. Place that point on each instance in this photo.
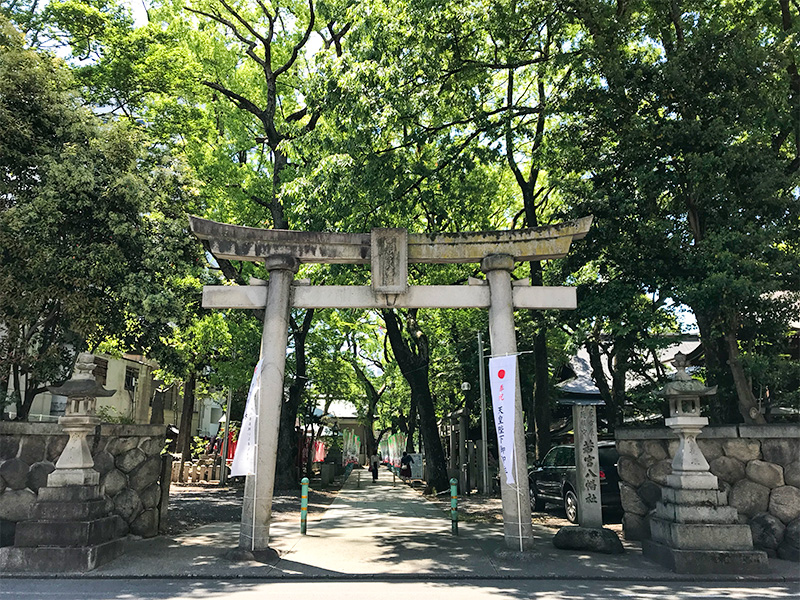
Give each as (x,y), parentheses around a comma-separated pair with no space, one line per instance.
(484,435)
(454,505)
(223,476)
(303,505)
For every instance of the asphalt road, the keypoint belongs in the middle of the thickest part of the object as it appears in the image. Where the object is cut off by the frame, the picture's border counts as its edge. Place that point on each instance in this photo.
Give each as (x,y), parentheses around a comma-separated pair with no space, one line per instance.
(194,589)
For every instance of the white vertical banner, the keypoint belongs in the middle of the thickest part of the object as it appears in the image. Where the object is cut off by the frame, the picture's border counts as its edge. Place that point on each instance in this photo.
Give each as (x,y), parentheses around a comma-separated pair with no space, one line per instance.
(244,459)
(503,383)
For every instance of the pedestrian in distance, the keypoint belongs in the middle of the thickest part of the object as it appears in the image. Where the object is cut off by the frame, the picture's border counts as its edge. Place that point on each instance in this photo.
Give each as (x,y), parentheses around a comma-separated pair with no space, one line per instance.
(374,461)
(405,467)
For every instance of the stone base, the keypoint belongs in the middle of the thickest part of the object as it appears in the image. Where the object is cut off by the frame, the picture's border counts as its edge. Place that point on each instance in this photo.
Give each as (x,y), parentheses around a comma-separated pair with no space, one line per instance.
(706,562)
(33,534)
(688,480)
(69,511)
(682,513)
(69,532)
(50,559)
(672,495)
(70,477)
(266,556)
(701,536)
(70,493)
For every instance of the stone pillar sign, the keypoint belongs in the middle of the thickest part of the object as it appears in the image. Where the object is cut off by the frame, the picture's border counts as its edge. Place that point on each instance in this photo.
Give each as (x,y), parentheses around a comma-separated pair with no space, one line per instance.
(693,529)
(587,465)
(589,534)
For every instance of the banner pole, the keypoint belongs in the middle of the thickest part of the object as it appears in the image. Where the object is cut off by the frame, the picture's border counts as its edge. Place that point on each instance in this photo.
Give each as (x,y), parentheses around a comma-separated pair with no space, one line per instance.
(255,462)
(519,520)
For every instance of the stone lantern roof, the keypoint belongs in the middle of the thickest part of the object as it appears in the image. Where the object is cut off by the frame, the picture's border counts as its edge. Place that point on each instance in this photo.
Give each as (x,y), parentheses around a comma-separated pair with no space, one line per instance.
(83,383)
(683,384)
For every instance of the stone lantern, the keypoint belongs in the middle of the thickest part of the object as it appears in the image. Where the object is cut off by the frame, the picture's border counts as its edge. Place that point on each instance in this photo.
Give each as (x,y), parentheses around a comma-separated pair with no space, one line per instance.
(694,530)
(70,528)
(74,466)
(689,466)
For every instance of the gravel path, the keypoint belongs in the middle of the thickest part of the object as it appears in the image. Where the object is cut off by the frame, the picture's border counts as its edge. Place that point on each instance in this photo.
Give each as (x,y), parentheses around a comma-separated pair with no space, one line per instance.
(191,506)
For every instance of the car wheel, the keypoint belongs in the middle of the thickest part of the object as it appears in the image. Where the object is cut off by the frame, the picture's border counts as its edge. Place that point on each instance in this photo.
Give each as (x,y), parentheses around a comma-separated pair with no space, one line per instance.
(571,506)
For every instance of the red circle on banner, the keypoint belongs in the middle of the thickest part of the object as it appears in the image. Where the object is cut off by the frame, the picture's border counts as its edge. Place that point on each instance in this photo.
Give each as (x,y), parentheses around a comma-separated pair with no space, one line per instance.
(501,373)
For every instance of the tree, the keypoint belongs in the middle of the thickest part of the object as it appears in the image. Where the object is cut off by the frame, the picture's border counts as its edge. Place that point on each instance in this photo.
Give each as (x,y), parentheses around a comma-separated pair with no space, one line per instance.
(412,353)
(90,229)
(690,148)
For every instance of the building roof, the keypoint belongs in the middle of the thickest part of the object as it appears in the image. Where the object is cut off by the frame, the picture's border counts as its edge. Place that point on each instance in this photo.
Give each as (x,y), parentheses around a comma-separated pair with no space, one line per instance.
(582,383)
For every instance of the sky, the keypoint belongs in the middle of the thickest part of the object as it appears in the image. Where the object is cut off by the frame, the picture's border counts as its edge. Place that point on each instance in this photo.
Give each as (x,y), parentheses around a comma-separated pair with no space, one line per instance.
(138,10)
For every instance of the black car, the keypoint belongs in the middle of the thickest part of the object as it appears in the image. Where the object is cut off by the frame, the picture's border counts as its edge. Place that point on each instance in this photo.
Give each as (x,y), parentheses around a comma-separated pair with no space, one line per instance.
(553,480)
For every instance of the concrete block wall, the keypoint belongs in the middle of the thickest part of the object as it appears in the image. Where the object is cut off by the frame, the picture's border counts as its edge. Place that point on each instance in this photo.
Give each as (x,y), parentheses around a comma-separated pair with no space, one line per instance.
(128,458)
(757,465)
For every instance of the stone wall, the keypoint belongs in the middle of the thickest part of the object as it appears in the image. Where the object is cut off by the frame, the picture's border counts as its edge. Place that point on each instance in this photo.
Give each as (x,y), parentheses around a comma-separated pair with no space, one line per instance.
(128,458)
(758,466)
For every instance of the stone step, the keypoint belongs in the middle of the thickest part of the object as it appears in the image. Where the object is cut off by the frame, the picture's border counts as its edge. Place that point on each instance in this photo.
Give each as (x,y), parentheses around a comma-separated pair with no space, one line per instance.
(704,562)
(694,497)
(697,536)
(49,559)
(69,511)
(66,533)
(696,513)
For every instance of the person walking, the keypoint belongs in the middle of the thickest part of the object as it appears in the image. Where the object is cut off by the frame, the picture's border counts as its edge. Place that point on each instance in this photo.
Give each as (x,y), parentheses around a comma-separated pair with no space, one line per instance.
(405,466)
(374,461)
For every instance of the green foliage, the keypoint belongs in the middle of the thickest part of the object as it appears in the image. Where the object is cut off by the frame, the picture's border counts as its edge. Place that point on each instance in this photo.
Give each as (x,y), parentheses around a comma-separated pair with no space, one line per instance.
(676,128)
(92,241)
(109,414)
(680,144)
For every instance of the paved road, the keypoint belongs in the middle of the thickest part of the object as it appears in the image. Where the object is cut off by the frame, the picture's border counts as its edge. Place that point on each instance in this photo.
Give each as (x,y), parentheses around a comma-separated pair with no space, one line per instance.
(171,589)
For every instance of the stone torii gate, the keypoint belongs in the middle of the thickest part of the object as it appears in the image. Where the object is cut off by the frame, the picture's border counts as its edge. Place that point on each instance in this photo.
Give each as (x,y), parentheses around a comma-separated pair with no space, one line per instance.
(388,251)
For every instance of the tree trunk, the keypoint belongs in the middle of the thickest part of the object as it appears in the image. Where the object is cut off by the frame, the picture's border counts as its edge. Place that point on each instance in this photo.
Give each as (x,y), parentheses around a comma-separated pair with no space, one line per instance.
(157,414)
(414,364)
(598,373)
(615,413)
(748,407)
(21,413)
(715,351)
(288,460)
(185,433)
(411,425)
(373,397)
(541,391)
(5,374)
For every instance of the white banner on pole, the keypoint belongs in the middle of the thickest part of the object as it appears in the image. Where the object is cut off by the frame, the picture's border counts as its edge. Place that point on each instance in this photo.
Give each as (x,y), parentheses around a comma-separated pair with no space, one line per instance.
(503,382)
(244,459)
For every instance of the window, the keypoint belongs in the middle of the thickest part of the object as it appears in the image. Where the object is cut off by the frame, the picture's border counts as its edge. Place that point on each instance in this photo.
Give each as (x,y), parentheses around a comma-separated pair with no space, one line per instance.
(550,458)
(100,370)
(131,378)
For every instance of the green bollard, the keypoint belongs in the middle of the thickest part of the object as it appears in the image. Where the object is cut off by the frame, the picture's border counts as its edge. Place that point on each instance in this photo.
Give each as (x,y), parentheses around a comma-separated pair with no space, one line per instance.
(454,505)
(303,505)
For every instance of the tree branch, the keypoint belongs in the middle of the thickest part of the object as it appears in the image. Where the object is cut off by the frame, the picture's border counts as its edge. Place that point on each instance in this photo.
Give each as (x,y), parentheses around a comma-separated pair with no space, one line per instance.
(238,99)
(299,45)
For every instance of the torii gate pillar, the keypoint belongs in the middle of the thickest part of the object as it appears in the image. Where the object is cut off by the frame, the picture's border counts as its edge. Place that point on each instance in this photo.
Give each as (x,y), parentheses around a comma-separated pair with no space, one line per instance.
(517,528)
(258,489)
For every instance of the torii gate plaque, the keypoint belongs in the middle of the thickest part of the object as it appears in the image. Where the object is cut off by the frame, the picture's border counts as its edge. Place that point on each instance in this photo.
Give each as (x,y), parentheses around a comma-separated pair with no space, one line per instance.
(388,251)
